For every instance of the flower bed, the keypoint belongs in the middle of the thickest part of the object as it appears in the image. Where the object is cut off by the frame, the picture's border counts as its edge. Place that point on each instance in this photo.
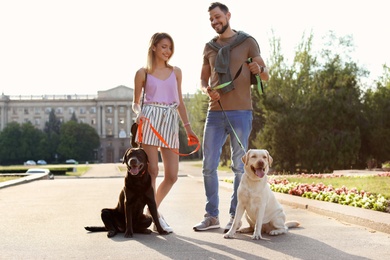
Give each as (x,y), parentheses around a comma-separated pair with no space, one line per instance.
(343,195)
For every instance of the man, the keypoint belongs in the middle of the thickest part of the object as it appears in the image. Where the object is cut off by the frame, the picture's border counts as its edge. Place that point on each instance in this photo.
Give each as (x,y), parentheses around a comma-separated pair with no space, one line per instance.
(222,58)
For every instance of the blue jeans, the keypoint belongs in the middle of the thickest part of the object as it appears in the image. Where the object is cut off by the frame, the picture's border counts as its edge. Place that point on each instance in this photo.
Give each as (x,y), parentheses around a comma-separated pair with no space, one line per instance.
(216,131)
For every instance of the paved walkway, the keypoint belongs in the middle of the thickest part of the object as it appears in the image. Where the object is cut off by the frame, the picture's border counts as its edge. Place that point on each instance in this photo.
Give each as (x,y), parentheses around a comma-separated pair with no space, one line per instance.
(44,220)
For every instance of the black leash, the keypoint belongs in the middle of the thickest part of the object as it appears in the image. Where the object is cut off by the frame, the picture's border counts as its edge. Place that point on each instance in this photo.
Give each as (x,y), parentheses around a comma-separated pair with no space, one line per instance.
(260,89)
(234,132)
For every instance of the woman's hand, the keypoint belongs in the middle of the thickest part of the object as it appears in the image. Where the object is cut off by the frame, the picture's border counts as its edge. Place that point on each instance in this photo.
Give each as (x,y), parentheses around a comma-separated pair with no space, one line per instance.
(191,137)
(138,111)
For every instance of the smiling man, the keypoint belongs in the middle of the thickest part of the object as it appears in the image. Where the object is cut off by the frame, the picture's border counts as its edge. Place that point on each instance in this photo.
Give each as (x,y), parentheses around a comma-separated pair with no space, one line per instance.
(224,55)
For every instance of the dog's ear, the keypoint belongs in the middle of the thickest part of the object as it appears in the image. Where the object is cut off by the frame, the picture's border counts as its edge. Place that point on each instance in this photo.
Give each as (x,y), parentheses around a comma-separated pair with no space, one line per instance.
(270,160)
(124,158)
(245,157)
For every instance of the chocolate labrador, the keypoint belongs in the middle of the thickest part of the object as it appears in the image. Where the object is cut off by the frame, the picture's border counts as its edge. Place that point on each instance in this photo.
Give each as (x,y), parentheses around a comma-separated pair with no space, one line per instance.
(128,216)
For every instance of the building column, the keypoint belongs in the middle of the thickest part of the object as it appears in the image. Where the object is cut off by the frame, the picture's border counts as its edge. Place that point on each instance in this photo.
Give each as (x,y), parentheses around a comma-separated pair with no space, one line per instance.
(99,120)
(4,116)
(103,121)
(116,121)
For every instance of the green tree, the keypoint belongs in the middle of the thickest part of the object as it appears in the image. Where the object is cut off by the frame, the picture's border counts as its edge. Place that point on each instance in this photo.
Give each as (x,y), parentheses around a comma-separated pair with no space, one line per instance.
(196,108)
(278,108)
(19,143)
(78,141)
(31,145)
(10,143)
(312,109)
(332,110)
(376,131)
(73,118)
(52,131)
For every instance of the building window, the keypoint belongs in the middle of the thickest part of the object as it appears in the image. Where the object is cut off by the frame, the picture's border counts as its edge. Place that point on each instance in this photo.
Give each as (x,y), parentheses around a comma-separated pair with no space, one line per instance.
(109,110)
(82,110)
(121,109)
(122,134)
(109,121)
(71,110)
(26,111)
(93,121)
(37,121)
(37,110)
(82,120)
(59,110)
(47,110)
(92,110)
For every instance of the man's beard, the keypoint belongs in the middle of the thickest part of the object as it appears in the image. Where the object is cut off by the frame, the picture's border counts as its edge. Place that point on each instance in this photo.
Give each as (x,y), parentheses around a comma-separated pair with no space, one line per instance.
(223,29)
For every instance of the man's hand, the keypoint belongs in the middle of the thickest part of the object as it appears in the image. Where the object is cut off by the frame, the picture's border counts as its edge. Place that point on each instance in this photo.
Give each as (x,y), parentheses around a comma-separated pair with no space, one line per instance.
(255,68)
(213,94)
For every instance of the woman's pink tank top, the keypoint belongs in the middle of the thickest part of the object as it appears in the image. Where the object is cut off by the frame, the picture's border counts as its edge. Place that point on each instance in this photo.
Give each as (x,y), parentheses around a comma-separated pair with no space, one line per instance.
(161,91)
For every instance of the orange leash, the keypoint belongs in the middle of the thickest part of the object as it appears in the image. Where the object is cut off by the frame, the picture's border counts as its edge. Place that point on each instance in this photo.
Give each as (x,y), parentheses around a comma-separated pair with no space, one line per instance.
(140,137)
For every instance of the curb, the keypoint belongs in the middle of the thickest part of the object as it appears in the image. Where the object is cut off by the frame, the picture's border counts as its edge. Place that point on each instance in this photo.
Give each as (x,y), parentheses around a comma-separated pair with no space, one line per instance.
(23,180)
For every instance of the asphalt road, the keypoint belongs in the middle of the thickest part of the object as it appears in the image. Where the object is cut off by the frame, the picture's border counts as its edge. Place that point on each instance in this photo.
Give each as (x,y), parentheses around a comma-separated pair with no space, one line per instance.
(45,219)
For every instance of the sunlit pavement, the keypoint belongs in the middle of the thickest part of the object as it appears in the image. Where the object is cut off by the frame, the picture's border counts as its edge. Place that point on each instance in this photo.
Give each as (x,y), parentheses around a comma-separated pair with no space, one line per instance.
(44,219)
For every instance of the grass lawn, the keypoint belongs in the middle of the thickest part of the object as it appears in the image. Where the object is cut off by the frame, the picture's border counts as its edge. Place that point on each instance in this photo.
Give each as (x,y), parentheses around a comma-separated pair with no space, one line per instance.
(8,178)
(80,170)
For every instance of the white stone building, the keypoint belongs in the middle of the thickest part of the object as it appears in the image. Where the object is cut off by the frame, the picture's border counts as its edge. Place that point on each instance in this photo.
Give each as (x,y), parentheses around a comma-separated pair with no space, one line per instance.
(109,112)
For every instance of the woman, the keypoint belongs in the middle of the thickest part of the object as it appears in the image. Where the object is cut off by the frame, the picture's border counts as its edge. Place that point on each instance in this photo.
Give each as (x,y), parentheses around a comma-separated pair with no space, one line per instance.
(162,106)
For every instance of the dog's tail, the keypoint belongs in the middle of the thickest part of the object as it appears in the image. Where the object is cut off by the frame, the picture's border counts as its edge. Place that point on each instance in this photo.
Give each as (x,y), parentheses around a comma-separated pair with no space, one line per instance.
(292,224)
(95,229)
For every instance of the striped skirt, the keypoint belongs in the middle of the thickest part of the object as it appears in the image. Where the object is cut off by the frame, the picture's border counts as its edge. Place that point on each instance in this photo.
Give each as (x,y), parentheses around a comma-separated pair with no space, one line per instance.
(165,119)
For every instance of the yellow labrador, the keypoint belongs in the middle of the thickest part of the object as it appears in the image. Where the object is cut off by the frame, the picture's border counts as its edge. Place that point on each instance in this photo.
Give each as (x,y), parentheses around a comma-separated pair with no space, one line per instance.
(262,211)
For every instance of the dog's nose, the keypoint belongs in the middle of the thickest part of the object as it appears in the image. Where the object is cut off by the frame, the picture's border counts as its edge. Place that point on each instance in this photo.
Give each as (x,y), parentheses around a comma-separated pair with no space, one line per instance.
(133,161)
(260,164)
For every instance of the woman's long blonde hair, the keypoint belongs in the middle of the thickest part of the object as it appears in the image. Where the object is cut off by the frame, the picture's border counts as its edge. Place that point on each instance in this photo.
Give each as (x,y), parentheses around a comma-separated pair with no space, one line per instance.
(156,38)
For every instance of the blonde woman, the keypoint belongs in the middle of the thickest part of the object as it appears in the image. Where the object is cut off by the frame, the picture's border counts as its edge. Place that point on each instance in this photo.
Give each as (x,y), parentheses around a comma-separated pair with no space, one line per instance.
(162,107)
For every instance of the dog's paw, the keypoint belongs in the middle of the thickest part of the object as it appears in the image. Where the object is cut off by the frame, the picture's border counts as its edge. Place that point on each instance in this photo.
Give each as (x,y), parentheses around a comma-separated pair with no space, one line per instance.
(277,232)
(163,232)
(128,234)
(257,237)
(111,233)
(245,230)
(229,235)
(143,231)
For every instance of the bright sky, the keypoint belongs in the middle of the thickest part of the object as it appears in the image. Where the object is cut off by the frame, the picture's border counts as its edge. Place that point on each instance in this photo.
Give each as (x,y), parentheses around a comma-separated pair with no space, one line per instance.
(84,46)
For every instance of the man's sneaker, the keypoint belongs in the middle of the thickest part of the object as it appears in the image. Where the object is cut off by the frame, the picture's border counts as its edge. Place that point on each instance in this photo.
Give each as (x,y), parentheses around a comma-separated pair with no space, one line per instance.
(209,222)
(230,223)
(164,225)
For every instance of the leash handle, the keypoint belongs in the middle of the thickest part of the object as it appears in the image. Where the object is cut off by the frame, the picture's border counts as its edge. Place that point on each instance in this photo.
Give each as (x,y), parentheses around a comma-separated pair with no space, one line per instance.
(260,87)
(190,142)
